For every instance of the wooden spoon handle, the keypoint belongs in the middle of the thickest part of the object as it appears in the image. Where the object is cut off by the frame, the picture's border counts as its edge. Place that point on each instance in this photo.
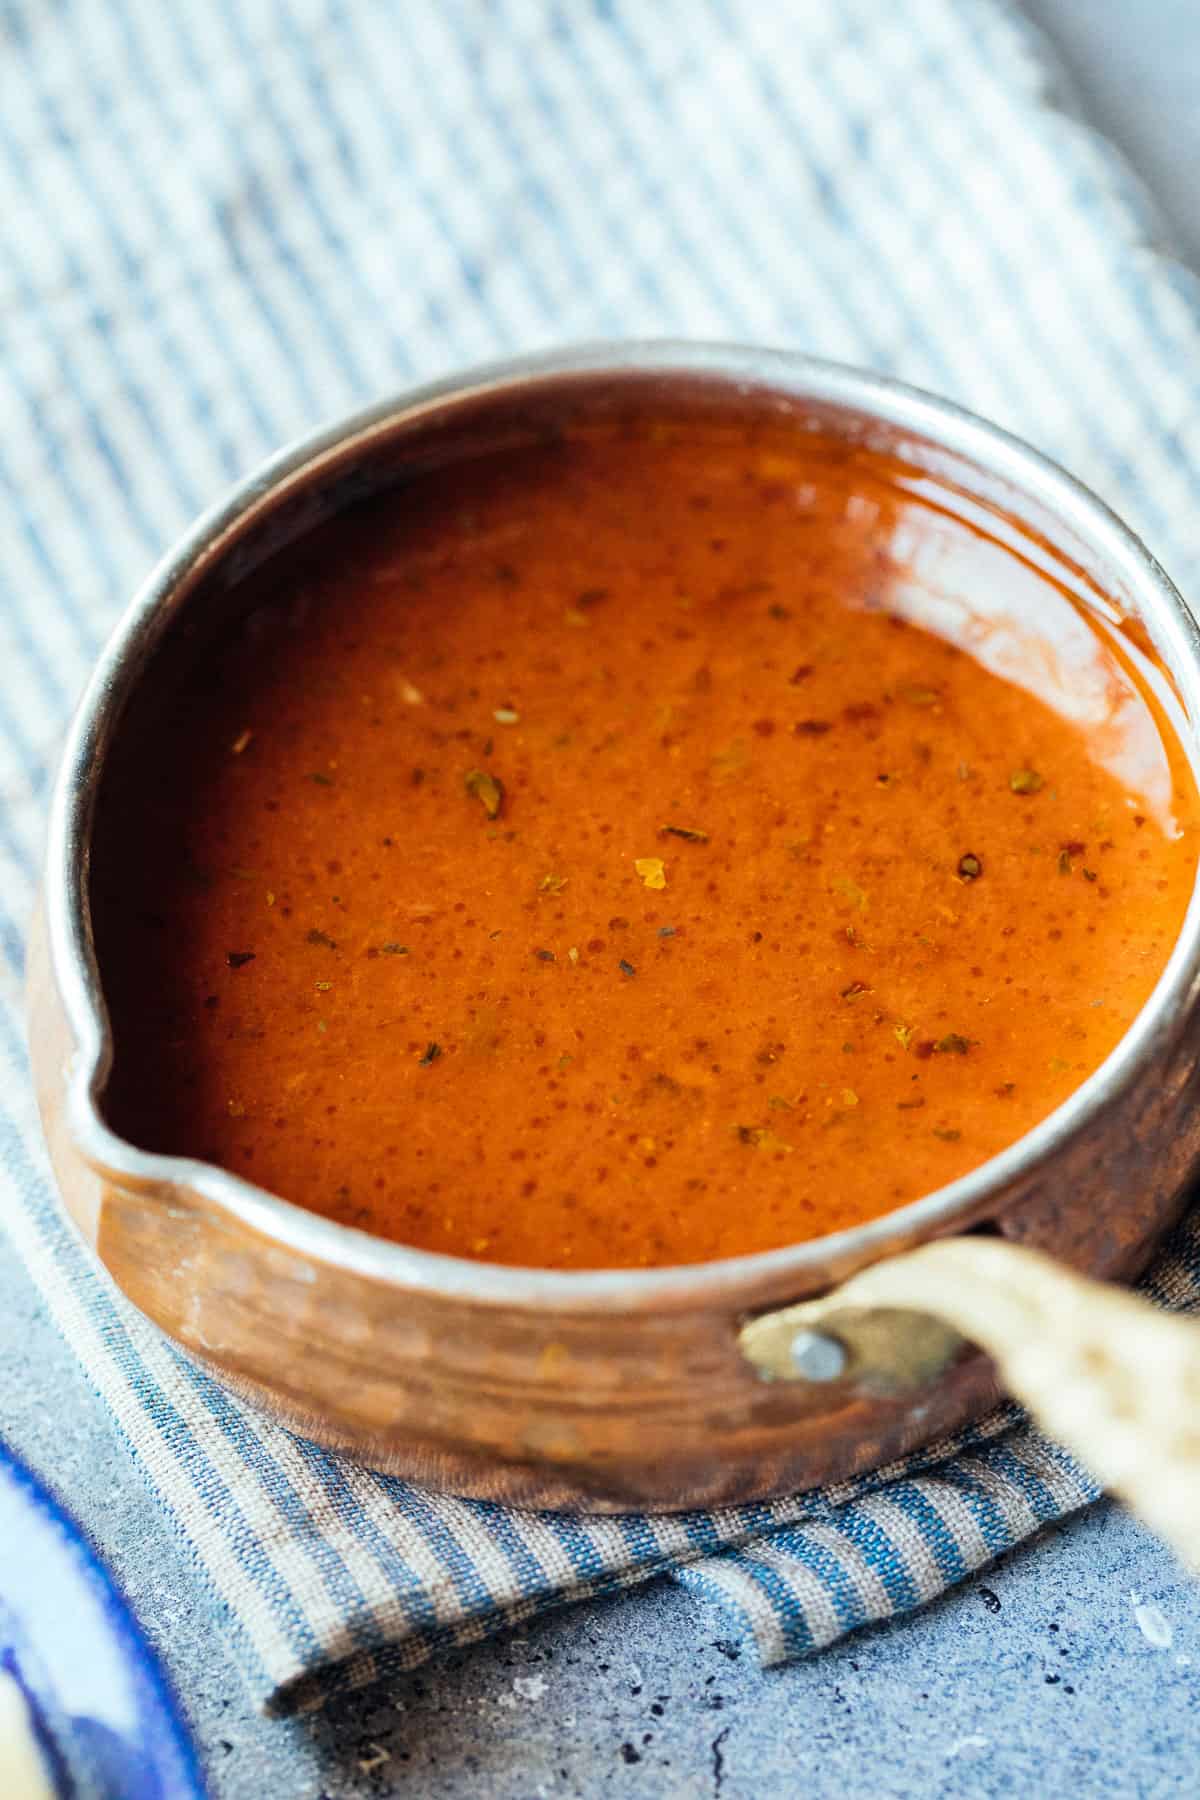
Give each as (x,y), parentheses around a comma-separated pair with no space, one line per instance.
(1109,1375)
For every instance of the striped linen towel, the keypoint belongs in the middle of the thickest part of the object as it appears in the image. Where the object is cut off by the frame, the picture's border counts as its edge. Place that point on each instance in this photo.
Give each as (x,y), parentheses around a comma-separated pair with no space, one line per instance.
(222,224)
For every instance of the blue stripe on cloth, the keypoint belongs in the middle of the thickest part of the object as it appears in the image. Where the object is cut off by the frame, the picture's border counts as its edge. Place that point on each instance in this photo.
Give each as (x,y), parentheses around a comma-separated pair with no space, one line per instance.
(202,397)
(227,208)
(916,1505)
(307,190)
(604,119)
(347,19)
(1011,289)
(402,1581)
(29,763)
(532,187)
(269,1477)
(530,1570)
(161,447)
(469,1582)
(233,221)
(15,616)
(1004,1459)
(883,1556)
(961,1478)
(38,427)
(830,1570)
(12,946)
(828,182)
(763,1582)
(164,446)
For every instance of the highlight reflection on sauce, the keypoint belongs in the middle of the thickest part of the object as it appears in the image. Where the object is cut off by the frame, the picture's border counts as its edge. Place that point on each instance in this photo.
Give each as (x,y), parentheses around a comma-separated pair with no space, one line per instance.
(664,844)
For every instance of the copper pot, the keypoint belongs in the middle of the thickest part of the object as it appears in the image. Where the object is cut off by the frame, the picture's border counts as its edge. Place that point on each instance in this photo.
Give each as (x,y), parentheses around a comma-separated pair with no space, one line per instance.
(608,1390)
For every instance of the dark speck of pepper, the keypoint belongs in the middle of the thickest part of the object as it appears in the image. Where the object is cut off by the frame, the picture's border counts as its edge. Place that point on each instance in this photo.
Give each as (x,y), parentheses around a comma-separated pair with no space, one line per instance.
(238,958)
(627,969)
(431,1055)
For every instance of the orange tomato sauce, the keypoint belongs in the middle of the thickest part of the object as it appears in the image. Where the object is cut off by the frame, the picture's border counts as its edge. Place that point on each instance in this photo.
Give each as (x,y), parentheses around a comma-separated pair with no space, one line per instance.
(666,843)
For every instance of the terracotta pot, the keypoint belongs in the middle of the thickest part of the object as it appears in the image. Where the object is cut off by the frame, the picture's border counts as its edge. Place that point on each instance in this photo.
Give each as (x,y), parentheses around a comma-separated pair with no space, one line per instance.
(609,1390)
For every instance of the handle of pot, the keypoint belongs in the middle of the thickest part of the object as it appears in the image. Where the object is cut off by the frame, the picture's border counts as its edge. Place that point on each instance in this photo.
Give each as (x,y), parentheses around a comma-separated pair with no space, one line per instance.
(1110,1376)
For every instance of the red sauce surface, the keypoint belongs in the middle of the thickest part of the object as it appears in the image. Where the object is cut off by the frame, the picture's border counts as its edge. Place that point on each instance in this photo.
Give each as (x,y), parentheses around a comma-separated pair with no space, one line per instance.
(930,844)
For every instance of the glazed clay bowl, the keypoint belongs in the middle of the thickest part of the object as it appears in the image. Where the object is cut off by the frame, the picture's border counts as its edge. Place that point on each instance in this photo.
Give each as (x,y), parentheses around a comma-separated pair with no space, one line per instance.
(608,1390)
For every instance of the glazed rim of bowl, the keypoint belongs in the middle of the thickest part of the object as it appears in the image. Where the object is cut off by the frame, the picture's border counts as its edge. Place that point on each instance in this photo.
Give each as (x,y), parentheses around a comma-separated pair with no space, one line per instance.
(791,382)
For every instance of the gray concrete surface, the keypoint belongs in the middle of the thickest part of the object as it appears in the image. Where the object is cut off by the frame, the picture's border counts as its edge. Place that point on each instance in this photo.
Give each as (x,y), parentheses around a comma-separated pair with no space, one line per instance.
(1035,1681)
